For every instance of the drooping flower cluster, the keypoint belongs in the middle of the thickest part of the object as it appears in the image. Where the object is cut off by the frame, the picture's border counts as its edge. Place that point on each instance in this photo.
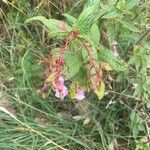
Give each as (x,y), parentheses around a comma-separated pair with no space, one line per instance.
(61,90)
(56,79)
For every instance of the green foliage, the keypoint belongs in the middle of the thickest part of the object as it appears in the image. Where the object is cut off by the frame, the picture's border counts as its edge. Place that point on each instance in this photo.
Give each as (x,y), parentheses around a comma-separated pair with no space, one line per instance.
(53,25)
(70,19)
(142,144)
(106,56)
(91,2)
(136,124)
(130,4)
(81,50)
(81,77)
(141,60)
(128,24)
(87,18)
(27,70)
(95,34)
(73,62)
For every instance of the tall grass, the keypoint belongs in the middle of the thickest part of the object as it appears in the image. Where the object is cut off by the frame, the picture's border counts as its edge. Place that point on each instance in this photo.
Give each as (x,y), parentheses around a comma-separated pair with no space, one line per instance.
(27,120)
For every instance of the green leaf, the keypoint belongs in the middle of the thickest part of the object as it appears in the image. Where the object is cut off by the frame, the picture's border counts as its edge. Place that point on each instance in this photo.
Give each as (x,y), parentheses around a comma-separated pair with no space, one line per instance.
(95,34)
(93,53)
(131,3)
(107,10)
(100,92)
(135,131)
(70,19)
(128,24)
(73,62)
(138,118)
(72,90)
(81,77)
(116,64)
(111,15)
(121,5)
(141,127)
(147,21)
(87,18)
(84,54)
(60,35)
(133,116)
(108,7)
(91,2)
(138,90)
(52,25)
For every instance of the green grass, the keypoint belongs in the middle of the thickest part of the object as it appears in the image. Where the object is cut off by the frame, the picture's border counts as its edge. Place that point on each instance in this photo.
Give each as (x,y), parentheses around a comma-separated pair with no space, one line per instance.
(27,120)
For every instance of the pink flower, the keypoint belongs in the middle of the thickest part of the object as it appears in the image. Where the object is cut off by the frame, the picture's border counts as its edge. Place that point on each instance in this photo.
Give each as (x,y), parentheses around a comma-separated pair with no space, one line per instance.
(61,93)
(80,95)
(60,89)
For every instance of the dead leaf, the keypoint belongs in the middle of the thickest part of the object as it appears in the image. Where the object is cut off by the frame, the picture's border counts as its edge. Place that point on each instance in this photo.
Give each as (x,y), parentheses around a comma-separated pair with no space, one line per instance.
(113,145)
(78,117)
(64,115)
(8,105)
(106,66)
(82,107)
(42,120)
(87,121)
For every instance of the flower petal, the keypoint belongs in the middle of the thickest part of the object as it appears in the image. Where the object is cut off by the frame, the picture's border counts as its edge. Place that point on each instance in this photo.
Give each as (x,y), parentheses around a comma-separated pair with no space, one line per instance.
(80,95)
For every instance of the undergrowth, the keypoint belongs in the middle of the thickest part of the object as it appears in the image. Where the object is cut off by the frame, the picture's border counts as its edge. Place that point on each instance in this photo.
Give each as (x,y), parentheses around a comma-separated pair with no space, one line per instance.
(31,119)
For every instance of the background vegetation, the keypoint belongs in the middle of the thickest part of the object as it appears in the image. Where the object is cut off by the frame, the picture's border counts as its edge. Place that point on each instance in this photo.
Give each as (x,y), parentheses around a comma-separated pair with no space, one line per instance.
(31,121)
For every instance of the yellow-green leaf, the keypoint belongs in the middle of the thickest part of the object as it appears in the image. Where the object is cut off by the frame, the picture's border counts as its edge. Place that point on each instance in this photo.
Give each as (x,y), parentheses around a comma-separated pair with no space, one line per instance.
(100,92)
(72,90)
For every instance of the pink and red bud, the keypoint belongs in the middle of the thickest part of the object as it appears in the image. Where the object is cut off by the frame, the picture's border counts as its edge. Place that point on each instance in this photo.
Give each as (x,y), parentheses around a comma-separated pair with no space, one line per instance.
(62,25)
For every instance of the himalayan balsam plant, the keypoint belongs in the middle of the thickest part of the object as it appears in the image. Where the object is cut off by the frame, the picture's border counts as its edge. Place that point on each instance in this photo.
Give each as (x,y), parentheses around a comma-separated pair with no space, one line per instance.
(81,58)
